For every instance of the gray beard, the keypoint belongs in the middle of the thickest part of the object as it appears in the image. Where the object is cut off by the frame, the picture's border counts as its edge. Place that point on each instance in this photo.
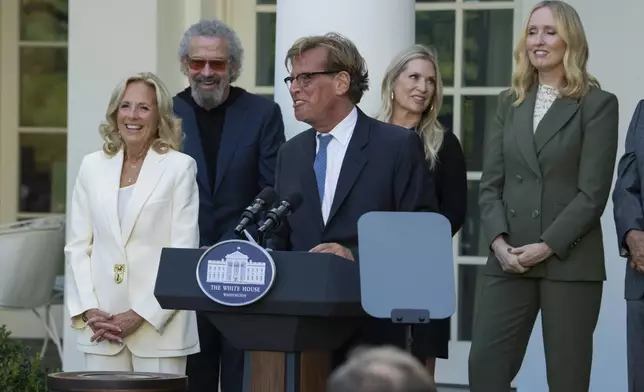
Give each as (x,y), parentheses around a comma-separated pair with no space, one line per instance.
(207,99)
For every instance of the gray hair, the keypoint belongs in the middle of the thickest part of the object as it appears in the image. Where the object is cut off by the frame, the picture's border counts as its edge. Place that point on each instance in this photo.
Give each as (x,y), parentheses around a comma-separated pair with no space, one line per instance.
(381,369)
(217,29)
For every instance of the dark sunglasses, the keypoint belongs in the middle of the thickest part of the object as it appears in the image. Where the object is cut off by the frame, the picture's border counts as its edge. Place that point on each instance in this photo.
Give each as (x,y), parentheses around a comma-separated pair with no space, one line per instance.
(199,64)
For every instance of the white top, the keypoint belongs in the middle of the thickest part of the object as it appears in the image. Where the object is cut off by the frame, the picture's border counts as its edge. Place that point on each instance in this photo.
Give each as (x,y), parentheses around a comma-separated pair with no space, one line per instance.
(124,198)
(546,95)
(335,152)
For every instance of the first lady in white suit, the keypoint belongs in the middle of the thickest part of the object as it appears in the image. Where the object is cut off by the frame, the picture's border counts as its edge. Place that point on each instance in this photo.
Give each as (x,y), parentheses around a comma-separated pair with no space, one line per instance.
(131,199)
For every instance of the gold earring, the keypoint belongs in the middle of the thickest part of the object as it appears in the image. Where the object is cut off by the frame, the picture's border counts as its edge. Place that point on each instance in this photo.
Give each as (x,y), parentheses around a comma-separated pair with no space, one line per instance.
(392,95)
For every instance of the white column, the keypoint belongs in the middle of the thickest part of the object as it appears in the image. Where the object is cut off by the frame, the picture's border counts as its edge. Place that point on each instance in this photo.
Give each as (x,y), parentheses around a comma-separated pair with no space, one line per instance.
(110,40)
(379,28)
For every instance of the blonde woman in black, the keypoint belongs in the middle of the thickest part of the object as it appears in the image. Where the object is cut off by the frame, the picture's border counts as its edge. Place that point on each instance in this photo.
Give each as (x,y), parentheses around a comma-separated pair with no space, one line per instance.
(412,95)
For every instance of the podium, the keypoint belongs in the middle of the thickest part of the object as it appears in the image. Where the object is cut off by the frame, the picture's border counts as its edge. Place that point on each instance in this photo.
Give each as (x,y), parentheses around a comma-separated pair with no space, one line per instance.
(292,331)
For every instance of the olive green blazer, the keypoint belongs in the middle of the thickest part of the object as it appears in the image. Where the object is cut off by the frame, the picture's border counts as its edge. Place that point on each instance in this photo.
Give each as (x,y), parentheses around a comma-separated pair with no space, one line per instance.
(551,185)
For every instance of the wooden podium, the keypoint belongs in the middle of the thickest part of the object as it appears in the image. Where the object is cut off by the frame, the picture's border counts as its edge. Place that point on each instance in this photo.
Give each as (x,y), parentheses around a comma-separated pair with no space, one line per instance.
(312,309)
(268,371)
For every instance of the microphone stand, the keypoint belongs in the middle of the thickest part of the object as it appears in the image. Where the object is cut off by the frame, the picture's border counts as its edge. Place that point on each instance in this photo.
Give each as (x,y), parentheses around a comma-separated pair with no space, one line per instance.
(261,238)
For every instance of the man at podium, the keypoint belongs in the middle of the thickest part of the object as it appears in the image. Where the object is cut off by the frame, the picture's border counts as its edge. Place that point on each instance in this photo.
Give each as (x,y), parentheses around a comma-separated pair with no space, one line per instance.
(346,165)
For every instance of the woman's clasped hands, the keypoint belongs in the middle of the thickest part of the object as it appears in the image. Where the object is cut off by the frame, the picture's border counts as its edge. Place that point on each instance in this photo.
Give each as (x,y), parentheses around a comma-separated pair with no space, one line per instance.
(520,259)
(111,327)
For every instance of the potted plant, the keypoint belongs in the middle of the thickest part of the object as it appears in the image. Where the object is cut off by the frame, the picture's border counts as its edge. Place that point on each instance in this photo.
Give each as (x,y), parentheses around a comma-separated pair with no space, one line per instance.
(19,369)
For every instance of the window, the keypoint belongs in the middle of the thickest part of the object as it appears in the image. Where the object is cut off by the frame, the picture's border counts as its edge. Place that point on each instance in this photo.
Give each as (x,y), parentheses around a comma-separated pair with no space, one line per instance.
(254,22)
(34,108)
(474,40)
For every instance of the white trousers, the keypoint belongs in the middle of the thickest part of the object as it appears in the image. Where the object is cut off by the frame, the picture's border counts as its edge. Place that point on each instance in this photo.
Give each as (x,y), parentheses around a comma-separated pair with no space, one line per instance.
(125,361)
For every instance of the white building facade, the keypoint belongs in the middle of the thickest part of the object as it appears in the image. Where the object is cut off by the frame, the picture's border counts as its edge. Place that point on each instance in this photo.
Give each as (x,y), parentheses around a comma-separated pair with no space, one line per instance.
(56,80)
(236,268)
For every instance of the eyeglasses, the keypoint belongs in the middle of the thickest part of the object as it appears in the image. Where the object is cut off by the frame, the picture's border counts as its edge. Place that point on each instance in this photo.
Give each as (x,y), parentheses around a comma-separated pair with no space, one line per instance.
(304,78)
(197,65)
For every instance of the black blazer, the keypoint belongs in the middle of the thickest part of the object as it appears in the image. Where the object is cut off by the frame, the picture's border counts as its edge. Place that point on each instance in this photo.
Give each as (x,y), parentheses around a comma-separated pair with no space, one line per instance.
(383,170)
(253,133)
(450,178)
(628,198)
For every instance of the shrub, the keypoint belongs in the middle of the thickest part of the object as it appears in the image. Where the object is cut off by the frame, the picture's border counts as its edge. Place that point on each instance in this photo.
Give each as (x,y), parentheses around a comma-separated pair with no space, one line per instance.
(19,369)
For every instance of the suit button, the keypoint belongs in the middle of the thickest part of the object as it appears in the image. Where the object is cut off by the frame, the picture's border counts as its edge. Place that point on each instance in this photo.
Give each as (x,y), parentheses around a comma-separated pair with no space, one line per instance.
(513,213)
(535,213)
(519,178)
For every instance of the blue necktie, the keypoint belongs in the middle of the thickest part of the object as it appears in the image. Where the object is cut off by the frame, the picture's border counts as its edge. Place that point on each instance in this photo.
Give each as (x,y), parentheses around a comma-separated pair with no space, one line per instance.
(319,165)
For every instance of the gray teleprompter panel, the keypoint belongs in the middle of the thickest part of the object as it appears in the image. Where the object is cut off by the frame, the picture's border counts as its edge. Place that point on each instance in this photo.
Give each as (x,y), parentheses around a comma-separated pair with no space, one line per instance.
(406,263)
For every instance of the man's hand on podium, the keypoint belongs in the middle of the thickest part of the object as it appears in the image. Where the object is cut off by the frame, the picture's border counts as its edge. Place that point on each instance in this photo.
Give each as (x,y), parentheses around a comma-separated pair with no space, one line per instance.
(334,248)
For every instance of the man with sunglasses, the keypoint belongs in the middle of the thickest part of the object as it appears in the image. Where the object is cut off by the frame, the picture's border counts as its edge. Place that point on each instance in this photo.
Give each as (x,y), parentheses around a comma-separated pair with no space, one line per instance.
(346,165)
(234,137)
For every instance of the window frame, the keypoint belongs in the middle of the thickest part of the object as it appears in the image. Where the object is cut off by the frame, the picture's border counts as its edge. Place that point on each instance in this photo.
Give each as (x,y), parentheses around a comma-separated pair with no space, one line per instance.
(10,128)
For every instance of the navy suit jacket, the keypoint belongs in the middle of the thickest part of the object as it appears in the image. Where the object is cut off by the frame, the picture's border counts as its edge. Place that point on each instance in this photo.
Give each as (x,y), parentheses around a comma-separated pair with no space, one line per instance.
(252,135)
(628,198)
(383,170)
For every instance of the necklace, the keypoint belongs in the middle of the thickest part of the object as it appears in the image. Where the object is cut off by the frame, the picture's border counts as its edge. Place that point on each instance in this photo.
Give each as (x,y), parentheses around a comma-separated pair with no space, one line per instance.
(131,170)
(129,180)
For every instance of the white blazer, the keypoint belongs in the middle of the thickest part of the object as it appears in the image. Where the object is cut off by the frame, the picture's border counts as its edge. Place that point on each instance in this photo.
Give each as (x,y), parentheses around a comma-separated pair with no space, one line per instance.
(162,212)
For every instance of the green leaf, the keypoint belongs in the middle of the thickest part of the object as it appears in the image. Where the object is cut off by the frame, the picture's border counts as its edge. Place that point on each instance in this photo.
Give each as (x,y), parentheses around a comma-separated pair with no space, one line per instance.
(20,369)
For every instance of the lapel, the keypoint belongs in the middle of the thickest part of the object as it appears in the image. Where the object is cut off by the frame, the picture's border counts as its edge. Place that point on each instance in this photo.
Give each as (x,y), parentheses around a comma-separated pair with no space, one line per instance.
(354,161)
(110,192)
(149,176)
(523,128)
(309,183)
(235,126)
(192,142)
(556,117)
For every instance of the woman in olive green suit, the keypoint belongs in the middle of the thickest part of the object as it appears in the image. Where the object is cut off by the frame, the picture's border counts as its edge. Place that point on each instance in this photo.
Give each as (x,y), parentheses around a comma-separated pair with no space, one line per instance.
(547,174)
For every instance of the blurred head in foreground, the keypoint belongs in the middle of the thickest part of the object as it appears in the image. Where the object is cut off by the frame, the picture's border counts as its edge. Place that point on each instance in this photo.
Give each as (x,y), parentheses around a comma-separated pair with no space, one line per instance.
(381,369)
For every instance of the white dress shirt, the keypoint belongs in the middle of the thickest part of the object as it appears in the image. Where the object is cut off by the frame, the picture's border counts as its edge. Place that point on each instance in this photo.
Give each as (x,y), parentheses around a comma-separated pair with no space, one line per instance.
(336,151)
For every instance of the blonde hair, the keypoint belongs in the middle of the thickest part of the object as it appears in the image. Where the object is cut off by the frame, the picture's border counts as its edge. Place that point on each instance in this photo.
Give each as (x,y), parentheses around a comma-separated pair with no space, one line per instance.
(169,134)
(577,81)
(429,128)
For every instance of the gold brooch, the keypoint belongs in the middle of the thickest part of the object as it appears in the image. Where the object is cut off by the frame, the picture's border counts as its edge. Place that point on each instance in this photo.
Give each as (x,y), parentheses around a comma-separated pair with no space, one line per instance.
(119,273)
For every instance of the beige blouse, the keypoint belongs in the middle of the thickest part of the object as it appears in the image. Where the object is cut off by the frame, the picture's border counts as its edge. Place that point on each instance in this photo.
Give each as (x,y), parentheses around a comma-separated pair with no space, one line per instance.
(546,95)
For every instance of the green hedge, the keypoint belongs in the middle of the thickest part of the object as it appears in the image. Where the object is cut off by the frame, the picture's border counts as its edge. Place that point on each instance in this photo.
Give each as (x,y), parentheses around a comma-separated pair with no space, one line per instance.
(20,370)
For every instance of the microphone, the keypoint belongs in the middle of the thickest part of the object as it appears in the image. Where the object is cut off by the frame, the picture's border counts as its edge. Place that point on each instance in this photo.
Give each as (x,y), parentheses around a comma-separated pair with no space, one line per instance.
(276,215)
(263,200)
